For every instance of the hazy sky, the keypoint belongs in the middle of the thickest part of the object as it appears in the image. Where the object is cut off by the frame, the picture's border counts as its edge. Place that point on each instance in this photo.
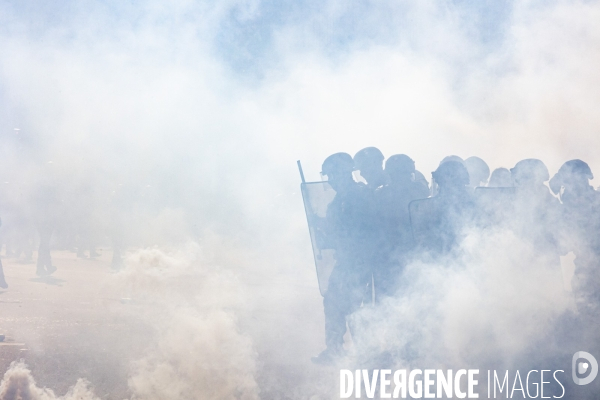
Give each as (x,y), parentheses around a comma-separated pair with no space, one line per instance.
(218,100)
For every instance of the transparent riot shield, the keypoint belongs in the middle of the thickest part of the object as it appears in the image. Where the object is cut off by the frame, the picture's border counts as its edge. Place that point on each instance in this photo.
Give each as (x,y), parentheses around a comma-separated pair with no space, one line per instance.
(317,196)
(438,223)
(494,204)
(425,216)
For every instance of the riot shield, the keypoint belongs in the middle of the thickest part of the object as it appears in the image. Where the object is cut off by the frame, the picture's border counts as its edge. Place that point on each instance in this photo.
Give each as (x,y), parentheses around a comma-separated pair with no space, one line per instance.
(495,205)
(425,218)
(438,223)
(317,196)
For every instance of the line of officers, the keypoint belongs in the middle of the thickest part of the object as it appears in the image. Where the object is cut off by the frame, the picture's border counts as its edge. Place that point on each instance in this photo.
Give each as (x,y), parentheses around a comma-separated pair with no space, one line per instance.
(376,228)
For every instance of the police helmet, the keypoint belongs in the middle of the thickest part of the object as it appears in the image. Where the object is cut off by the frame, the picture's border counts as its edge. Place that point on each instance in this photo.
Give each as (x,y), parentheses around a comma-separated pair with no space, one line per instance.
(368,155)
(399,163)
(451,173)
(570,171)
(478,169)
(338,162)
(531,169)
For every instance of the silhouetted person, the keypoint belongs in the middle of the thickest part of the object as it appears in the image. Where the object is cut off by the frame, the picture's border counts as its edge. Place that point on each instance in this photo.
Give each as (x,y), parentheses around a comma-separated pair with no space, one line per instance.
(3,284)
(479,172)
(536,211)
(434,185)
(369,161)
(395,236)
(46,206)
(343,230)
(437,222)
(83,209)
(580,225)
(500,178)
(420,178)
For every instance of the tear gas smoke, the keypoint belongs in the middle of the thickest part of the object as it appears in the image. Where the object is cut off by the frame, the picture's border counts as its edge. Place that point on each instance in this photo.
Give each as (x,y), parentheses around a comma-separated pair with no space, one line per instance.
(198,350)
(170,122)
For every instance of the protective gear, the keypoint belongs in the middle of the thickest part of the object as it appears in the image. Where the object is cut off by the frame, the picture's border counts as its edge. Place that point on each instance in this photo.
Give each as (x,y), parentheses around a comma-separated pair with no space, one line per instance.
(317,196)
(571,171)
(420,179)
(494,204)
(580,223)
(530,171)
(451,174)
(434,184)
(394,236)
(338,162)
(369,161)
(500,178)
(368,155)
(479,172)
(452,158)
(343,229)
(399,163)
(437,222)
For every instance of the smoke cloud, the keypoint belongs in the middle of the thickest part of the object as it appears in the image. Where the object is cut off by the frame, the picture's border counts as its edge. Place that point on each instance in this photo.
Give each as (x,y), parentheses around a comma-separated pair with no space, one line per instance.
(202,109)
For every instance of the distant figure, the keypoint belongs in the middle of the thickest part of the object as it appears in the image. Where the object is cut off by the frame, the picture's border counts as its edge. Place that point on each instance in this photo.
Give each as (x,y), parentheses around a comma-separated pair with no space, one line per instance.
(452,158)
(395,236)
(536,211)
(579,228)
(84,204)
(479,172)
(46,204)
(434,184)
(500,178)
(343,230)
(369,161)
(437,222)
(3,284)
(420,178)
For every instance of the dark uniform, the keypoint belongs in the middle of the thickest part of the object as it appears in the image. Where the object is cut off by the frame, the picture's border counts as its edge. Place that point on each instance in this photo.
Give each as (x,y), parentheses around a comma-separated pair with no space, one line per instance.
(3,284)
(395,240)
(369,162)
(344,229)
(580,224)
(536,212)
(438,222)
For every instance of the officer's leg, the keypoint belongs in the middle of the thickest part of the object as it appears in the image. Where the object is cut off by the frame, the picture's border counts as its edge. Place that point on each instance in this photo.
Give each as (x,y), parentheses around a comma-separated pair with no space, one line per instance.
(44,262)
(344,296)
(335,305)
(3,284)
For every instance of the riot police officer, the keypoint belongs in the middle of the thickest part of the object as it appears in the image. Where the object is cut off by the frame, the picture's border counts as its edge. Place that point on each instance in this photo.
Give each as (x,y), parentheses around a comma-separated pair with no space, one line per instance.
(395,236)
(3,283)
(500,178)
(580,224)
(344,229)
(369,161)
(437,222)
(479,172)
(535,215)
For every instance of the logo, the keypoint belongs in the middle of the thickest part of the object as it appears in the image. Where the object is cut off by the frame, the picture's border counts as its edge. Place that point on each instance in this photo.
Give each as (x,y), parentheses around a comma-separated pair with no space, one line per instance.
(580,367)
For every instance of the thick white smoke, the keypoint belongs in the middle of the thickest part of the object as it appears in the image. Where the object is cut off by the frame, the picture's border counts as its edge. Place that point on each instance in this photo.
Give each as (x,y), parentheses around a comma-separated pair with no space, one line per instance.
(195,348)
(150,96)
(194,306)
(485,303)
(18,384)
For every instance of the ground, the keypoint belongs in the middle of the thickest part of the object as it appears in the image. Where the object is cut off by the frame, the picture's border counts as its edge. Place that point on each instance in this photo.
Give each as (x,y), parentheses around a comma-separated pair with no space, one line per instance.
(69,325)
(78,324)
